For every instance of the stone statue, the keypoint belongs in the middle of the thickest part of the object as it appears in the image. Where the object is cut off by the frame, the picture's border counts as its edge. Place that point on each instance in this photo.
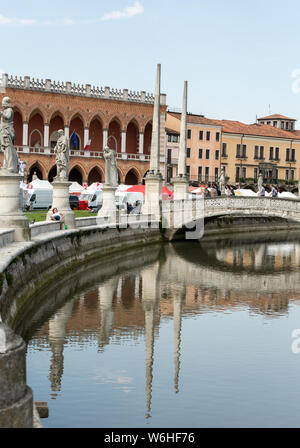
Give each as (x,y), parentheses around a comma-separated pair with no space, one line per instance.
(7,137)
(111,171)
(222,180)
(259,182)
(62,157)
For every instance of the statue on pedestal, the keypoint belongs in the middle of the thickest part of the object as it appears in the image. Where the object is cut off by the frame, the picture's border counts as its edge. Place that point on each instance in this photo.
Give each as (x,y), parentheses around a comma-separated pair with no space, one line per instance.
(111,171)
(259,182)
(222,180)
(7,137)
(62,157)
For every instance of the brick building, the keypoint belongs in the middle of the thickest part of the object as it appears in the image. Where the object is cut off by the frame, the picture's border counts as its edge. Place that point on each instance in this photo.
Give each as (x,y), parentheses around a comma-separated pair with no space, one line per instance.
(120,119)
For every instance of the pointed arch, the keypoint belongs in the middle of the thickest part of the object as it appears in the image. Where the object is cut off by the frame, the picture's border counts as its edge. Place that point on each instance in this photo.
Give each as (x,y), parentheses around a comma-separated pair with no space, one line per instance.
(36,128)
(38,168)
(95,175)
(18,126)
(132,176)
(52,173)
(76,174)
(132,138)
(96,133)
(147,137)
(114,134)
(77,125)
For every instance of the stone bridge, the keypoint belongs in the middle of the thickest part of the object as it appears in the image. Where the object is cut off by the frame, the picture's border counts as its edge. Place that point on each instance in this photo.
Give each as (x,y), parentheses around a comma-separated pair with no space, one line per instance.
(184,214)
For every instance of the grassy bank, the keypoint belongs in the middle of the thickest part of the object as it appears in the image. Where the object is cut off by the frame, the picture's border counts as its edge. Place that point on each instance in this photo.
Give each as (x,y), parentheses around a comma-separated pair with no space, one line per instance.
(40,215)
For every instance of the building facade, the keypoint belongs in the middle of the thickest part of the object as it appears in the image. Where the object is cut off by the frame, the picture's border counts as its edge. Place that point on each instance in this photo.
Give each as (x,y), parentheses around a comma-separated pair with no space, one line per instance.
(204,140)
(248,150)
(91,117)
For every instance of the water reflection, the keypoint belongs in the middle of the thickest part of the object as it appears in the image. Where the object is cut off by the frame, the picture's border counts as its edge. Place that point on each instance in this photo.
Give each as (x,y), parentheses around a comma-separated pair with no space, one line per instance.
(180,281)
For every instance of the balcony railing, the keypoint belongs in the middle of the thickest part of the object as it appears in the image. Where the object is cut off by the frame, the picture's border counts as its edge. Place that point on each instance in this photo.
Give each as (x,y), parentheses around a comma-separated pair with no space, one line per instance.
(81,153)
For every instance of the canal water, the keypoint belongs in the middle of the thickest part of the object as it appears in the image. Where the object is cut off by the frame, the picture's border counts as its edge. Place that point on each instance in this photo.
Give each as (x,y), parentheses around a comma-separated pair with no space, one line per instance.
(182,335)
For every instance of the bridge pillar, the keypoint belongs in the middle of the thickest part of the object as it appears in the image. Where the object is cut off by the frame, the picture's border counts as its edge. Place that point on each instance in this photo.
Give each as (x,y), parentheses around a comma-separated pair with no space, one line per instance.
(181,187)
(153,195)
(16,399)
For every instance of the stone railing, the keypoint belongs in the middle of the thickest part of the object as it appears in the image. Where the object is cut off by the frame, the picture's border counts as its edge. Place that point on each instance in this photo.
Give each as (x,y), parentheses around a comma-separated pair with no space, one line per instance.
(6,237)
(45,227)
(68,88)
(81,153)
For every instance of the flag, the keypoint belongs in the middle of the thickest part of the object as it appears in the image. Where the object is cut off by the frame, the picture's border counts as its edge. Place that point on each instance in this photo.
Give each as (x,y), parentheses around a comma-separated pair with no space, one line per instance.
(88,145)
(74,139)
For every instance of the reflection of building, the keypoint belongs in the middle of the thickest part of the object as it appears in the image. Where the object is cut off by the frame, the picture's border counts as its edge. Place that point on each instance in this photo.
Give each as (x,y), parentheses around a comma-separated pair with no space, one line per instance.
(130,307)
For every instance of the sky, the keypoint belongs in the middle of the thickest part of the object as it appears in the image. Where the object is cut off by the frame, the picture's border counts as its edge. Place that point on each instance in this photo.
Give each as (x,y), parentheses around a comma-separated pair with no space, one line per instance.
(241,58)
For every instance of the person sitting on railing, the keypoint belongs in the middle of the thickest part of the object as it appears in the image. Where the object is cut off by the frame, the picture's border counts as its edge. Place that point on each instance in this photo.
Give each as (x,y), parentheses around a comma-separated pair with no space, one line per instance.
(129,208)
(56,215)
(137,208)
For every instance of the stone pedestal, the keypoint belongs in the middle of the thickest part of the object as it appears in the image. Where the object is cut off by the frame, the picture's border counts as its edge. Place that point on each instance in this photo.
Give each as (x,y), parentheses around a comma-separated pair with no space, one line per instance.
(11,213)
(16,399)
(181,187)
(62,203)
(109,207)
(153,195)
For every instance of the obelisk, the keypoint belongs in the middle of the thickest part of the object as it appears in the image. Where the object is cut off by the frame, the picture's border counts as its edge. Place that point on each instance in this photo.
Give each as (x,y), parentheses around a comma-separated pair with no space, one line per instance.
(153,180)
(180,182)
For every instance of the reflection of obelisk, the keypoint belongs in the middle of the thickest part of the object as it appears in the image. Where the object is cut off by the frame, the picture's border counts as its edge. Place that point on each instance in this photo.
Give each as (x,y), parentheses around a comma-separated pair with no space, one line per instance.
(57,333)
(177,313)
(149,301)
(106,295)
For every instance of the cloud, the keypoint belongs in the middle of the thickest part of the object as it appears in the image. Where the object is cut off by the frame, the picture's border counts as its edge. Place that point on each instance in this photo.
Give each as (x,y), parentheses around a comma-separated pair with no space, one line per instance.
(128,12)
(12,20)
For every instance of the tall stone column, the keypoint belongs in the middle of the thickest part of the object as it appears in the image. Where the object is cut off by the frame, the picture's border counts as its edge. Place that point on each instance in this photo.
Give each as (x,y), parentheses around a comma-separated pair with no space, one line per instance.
(141,143)
(105,136)
(16,399)
(67,132)
(153,180)
(180,182)
(46,135)
(123,141)
(25,133)
(86,137)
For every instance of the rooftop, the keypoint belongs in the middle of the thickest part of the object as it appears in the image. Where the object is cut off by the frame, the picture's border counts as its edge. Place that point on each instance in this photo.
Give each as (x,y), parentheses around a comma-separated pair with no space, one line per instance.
(277,116)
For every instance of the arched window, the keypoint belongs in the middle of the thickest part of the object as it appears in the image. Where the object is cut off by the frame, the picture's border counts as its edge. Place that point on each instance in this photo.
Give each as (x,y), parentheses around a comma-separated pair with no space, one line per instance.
(94,176)
(75,175)
(131,178)
(132,138)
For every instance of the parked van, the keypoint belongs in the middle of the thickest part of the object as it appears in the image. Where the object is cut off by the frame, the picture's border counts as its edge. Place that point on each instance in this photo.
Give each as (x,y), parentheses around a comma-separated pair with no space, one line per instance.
(39,199)
(95,200)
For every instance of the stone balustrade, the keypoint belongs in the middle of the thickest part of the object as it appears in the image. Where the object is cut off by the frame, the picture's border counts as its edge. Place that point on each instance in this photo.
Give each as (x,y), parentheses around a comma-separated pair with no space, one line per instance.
(78,153)
(68,88)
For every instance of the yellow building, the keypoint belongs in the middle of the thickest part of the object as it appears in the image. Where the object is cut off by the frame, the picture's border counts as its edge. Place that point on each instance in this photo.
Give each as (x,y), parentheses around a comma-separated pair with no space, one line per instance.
(273,149)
